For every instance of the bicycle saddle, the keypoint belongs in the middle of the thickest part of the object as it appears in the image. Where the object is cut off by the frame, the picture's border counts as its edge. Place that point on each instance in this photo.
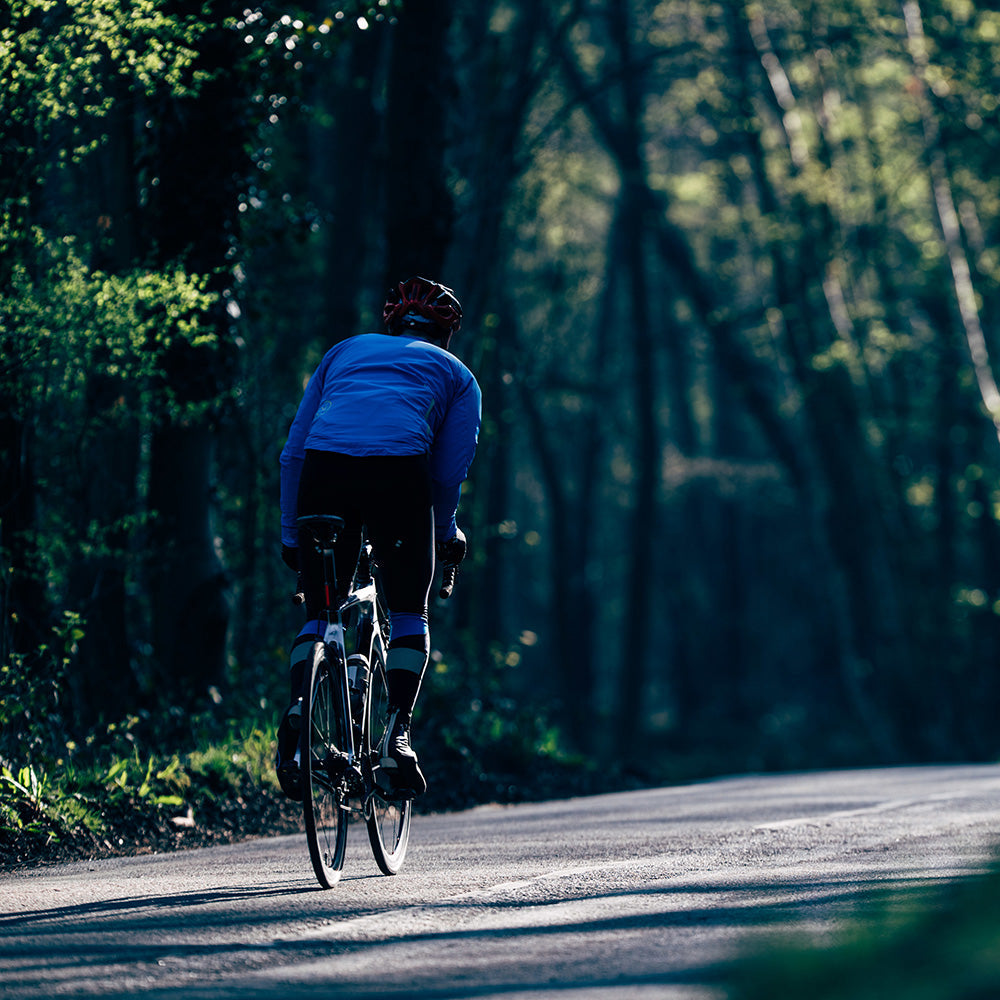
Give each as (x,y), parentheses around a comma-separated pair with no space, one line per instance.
(324,528)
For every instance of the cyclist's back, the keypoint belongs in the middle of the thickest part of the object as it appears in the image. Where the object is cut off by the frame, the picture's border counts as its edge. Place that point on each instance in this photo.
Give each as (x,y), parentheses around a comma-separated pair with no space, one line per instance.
(374,394)
(385,396)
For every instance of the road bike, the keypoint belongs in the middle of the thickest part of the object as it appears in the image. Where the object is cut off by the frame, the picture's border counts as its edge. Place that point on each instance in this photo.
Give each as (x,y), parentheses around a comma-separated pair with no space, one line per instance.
(345,702)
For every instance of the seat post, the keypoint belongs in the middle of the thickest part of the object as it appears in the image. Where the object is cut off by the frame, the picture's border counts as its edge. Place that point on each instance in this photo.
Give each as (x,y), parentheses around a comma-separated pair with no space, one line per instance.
(324,530)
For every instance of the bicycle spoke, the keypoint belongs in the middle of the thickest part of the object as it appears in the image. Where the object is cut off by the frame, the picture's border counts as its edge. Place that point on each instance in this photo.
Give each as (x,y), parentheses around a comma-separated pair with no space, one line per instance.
(388,819)
(326,824)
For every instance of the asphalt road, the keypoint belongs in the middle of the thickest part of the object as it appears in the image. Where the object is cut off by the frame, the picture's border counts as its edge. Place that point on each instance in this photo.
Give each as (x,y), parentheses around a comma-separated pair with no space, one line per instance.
(640,894)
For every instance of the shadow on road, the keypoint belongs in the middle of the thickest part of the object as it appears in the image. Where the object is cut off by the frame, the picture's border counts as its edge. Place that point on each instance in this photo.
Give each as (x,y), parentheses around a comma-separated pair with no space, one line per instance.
(454,948)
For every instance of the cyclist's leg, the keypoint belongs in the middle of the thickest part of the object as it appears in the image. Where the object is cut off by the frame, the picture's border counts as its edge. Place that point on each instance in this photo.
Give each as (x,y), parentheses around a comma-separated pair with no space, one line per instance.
(407,656)
(330,484)
(300,661)
(321,491)
(401,524)
(402,530)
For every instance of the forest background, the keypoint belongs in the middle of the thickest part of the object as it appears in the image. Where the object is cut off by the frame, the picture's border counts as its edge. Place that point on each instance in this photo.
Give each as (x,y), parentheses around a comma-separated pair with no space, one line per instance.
(731,288)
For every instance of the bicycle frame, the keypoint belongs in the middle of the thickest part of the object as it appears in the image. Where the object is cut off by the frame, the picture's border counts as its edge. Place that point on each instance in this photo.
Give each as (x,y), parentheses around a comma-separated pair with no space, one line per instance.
(364,600)
(341,753)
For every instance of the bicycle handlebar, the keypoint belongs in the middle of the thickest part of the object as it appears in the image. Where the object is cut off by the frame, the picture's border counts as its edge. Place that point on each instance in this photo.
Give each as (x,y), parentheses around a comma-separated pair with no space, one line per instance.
(448,576)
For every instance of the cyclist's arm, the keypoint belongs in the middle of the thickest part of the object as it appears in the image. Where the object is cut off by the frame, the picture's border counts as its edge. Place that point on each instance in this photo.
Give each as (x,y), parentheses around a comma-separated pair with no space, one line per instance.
(294,453)
(451,455)
(446,500)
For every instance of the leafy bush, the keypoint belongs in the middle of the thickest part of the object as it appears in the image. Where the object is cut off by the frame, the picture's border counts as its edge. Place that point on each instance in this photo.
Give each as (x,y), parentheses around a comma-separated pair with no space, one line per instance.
(32,692)
(116,795)
(902,948)
(477,744)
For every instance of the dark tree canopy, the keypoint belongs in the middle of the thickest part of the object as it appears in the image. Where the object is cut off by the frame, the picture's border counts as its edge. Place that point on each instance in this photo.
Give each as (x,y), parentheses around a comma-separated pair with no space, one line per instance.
(731,291)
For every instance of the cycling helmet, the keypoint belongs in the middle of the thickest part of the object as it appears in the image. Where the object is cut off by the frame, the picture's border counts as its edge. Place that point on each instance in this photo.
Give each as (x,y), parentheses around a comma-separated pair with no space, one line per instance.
(421,304)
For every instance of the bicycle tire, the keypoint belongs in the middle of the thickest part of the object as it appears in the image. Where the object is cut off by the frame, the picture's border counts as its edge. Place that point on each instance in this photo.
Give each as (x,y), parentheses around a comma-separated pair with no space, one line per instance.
(387,818)
(324,780)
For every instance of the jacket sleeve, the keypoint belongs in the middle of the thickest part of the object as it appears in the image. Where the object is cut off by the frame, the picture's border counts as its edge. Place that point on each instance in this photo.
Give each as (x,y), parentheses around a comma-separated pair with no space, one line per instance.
(452,452)
(294,453)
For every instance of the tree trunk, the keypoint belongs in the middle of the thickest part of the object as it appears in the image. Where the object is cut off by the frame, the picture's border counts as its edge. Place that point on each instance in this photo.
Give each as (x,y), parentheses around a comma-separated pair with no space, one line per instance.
(944,203)
(187,584)
(839,480)
(200,158)
(104,683)
(418,205)
(646,458)
(24,604)
(345,167)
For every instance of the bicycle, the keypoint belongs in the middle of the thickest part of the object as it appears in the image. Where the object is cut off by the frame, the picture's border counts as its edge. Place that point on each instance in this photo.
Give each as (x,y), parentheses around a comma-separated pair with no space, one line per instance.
(344,711)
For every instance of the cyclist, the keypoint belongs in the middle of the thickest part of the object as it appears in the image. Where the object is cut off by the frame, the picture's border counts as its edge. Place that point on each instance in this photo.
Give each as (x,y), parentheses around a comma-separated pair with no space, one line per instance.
(383,437)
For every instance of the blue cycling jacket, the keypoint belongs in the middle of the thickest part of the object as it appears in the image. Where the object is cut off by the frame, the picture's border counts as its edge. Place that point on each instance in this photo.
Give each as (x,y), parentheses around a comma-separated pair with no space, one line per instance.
(376,394)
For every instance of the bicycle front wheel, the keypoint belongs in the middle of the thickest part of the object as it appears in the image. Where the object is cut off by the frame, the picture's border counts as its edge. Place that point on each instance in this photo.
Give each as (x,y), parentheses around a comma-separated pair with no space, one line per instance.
(325,765)
(388,818)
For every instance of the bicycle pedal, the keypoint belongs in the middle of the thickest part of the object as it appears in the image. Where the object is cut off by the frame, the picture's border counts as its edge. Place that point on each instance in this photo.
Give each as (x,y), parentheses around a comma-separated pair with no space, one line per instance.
(386,790)
(401,795)
(290,779)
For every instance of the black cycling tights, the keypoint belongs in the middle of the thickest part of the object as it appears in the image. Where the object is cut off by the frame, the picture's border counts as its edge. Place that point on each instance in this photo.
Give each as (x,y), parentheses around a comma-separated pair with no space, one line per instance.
(391,494)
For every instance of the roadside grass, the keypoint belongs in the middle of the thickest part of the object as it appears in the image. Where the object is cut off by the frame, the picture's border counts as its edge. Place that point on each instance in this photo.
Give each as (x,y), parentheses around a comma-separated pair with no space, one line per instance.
(169,777)
(917,944)
(115,794)
(176,779)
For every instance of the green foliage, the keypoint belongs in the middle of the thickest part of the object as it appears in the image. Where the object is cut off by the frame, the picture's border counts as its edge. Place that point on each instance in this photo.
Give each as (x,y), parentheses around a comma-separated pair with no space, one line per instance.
(482,744)
(84,354)
(66,800)
(33,689)
(66,326)
(61,64)
(119,786)
(131,781)
(289,33)
(914,945)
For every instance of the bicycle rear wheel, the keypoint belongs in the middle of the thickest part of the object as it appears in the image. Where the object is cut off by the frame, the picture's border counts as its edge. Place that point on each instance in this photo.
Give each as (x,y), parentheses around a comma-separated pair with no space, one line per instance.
(325,781)
(388,818)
